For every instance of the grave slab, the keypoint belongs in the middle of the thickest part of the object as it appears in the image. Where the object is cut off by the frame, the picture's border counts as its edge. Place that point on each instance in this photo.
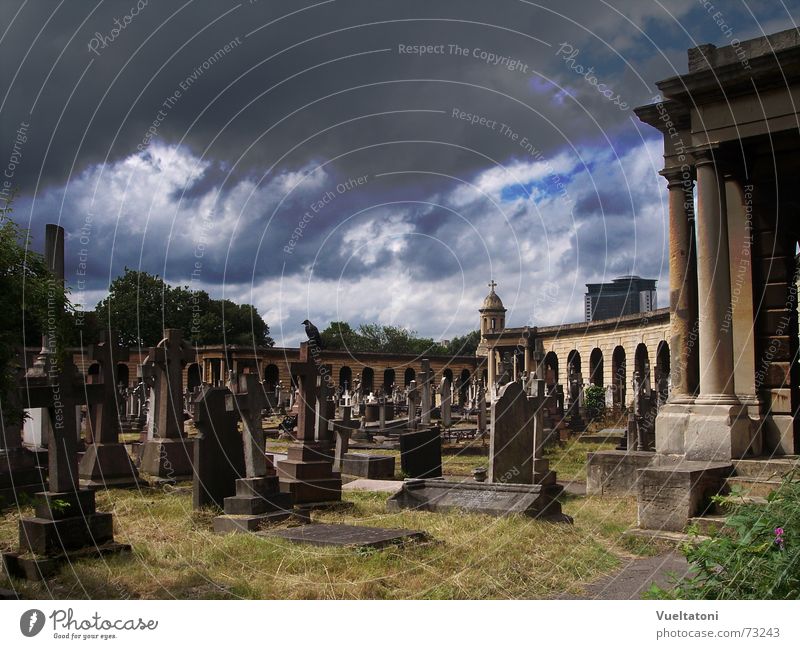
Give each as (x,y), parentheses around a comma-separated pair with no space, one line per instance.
(346,535)
(364,484)
(537,501)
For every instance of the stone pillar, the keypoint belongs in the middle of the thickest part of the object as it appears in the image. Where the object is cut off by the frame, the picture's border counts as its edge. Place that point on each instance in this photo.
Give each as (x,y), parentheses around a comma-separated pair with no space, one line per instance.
(683,342)
(713,284)
(528,360)
(718,428)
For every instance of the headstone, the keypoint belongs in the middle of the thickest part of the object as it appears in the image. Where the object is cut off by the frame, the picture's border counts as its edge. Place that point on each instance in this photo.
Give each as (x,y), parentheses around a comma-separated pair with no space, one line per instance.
(447,399)
(218,450)
(307,472)
(257,499)
(517,437)
(421,453)
(106,462)
(413,398)
(375,467)
(481,410)
(167,456)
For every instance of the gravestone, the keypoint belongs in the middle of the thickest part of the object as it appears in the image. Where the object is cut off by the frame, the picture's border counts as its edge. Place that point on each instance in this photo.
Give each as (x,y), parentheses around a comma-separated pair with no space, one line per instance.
(517,437)
(447,399)
(481,410)
(421,453)
(106,462)
(167,455)
(257,499)
(218,450)
(307,472)
(413,399)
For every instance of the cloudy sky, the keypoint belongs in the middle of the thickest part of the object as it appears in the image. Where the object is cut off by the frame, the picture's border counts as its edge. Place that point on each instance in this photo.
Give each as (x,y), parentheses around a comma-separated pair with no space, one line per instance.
(359,160)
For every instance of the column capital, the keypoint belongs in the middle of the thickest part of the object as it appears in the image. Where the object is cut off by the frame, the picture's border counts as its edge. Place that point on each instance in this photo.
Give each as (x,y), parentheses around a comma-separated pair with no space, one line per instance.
(682,176)
(706,154)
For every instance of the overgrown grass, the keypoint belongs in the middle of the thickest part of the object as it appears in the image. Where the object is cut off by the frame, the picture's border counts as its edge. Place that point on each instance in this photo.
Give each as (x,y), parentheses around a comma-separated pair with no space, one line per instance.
(568,459)
(175,554)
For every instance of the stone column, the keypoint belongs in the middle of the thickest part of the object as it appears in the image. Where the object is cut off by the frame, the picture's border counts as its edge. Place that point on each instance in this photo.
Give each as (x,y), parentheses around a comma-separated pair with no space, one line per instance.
(683,344)
(528,359)
(713,284)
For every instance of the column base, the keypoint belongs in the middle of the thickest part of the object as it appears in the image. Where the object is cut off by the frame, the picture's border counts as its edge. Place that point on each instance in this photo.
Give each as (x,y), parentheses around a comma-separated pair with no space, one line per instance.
(710,429)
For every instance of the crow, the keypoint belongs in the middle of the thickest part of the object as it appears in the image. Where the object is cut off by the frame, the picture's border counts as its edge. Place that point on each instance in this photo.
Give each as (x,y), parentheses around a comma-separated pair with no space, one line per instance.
(313,334)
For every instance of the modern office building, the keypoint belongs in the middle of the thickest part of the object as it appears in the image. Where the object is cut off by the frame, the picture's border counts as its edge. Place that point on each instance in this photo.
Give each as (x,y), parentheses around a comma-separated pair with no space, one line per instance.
(622,296)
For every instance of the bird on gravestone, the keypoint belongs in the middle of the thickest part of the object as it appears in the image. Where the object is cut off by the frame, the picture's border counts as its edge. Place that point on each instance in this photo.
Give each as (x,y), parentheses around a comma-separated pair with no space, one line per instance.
(313,334)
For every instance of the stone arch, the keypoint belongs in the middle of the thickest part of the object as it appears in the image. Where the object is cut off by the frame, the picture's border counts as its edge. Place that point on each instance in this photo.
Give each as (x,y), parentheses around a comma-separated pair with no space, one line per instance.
(367,380)
(573,363)
(551,368)
(642,363)
(596,367)
(408,376)
(345,378)
(463,390)
(618,375)
(123,374)
(388,379)
(194,376)
(271,377)
(662,370)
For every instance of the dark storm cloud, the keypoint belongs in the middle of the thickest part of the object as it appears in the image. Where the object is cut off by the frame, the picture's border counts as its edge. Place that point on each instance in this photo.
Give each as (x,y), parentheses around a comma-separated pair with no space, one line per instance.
(242,99)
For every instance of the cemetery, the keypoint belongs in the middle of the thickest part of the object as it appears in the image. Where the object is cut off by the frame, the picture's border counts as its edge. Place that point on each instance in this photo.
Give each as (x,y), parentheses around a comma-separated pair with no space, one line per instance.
(553,458)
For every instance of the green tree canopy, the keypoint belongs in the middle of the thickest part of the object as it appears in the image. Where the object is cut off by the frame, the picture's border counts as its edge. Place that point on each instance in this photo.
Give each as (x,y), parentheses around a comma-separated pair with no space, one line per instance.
(140,306)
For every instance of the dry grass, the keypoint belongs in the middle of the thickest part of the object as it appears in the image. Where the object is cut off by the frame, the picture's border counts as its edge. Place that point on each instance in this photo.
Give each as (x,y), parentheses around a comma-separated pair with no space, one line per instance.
(469,556)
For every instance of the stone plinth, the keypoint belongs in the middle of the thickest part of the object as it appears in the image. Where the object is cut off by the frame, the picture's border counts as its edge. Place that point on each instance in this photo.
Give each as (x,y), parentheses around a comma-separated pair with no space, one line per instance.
(107,465)
(615,472)
(167,460)
(368,466)
(307,474)
(258,501)
(66,527)
(672,493)
(537,501)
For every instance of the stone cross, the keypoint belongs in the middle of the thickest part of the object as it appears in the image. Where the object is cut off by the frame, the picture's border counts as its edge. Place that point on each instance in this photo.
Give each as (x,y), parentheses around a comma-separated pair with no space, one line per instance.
(169,359)
(306,372)
(104,419)
(248,398)
(447,398)
(321,419)
(425,378)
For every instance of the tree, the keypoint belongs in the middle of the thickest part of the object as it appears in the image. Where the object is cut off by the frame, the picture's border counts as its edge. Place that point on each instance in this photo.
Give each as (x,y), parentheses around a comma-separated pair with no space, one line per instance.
(32,301)
(387,339)
(140,306)
(465,345)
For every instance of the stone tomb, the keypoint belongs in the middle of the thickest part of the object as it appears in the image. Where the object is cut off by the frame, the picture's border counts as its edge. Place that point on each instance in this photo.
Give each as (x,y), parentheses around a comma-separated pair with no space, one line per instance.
(481,498)
(346,535)
(421,453)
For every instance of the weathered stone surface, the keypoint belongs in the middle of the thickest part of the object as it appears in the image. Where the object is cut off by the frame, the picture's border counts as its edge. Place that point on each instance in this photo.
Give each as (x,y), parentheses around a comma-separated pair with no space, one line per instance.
(670,494)
(368,466)
(511,442)
(421,453)
(481,498)
(615,472)
(347,535)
